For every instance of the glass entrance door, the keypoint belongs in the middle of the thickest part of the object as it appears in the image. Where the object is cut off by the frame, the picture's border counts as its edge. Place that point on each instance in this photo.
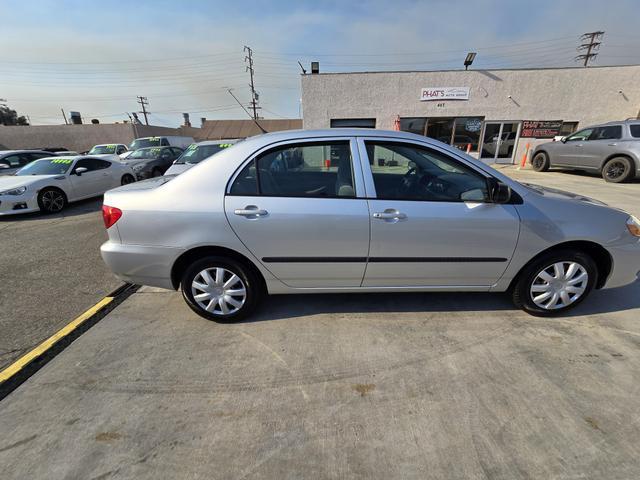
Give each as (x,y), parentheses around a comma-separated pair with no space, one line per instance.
(499,141)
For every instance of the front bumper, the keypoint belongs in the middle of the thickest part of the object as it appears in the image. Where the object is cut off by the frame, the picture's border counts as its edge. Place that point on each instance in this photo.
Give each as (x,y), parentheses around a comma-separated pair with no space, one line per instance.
(140,264)
(16,204)
(626,263)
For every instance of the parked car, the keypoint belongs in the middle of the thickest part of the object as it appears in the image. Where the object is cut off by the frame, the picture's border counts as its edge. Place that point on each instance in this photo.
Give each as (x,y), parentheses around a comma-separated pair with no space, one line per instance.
(152,161)
(49,184)
(108,149)
(13,160)
(273,214)
(195,153)
(166,141)
(612,150)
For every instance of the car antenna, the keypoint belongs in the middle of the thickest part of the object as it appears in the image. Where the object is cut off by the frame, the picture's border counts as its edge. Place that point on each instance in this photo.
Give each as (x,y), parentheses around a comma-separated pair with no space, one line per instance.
(245,111)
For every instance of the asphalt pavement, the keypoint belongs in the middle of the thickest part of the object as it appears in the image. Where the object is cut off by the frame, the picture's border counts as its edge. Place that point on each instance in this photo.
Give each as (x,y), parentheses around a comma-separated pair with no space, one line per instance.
(50,272)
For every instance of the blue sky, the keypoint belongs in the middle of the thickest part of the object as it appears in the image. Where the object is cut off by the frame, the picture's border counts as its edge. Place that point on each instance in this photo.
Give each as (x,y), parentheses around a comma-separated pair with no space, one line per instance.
(96,56)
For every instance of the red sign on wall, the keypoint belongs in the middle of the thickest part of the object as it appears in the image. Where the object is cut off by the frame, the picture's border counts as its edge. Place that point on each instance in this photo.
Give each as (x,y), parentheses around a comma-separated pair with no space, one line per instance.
(540,128)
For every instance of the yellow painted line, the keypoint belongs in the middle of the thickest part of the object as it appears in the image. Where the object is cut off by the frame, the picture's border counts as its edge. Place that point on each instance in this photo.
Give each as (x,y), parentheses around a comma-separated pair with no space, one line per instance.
(27,358)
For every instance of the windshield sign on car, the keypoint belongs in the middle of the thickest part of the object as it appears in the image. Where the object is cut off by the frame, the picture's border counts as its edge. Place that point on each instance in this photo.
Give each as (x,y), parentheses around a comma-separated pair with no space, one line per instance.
(48,166)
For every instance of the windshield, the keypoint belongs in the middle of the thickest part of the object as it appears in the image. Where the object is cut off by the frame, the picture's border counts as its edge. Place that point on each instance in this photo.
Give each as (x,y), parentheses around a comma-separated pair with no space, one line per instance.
(102,150)
(144,153)
(197,153)
(145,142)
(47,166)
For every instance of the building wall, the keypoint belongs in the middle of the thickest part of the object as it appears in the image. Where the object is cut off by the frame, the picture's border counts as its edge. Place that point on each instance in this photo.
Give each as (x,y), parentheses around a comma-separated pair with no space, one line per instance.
(81,137)
(587,95)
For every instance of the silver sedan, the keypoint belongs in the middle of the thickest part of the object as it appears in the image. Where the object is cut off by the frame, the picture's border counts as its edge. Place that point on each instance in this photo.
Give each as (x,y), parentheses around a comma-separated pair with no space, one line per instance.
(361,211)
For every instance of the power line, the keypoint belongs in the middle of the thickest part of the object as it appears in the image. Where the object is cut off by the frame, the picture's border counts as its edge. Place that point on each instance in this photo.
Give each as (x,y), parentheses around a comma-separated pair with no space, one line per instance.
(591,47)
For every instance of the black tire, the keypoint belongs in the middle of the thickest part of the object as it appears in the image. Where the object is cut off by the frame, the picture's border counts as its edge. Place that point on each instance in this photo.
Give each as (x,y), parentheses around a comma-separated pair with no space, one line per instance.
(521,291)
(251,283)
(127,179)
(51,200)
(540,162)
(156,172)
(618,170)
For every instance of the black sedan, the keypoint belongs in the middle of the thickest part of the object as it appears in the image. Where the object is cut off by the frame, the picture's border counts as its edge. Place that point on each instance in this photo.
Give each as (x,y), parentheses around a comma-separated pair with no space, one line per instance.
(152,161)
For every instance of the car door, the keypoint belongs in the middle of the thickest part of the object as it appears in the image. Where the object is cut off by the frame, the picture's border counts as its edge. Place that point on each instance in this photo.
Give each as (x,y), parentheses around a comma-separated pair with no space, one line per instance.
(95,181)
(299,207)
(602,142)
(573,149)
(431,222)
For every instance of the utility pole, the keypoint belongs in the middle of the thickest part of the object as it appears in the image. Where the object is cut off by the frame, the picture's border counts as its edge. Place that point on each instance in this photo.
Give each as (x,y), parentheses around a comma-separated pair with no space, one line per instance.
(591,43)
(144,103)
(64,117)
(254,96)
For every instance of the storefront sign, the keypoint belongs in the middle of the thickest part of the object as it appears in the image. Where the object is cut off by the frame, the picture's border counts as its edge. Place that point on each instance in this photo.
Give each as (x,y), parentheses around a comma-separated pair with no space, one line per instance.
(473,125)
(541,128)
(444,93)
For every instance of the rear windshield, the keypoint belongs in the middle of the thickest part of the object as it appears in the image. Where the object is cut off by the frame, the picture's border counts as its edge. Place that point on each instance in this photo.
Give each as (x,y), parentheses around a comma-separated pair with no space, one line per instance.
(197,153)
(102,150)
(635,130)
(145,142)
(145,153)
(46,166)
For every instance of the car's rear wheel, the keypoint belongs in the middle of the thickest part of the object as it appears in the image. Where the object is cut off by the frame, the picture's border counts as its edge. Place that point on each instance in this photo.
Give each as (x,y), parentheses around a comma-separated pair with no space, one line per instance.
(51,200)
(618,170)
(220,289)
(540,162)
(127,179)
(555,282)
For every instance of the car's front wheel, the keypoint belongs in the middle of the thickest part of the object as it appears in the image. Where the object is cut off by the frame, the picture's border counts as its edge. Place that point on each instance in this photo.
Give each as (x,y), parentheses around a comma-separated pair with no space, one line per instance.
(555,282)
(221,289)
(618,170)
(51,200)
(540,162)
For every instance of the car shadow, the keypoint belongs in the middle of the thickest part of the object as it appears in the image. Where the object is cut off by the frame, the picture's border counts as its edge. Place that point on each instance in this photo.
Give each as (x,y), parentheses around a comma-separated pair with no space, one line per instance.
(279,307)
(76,208)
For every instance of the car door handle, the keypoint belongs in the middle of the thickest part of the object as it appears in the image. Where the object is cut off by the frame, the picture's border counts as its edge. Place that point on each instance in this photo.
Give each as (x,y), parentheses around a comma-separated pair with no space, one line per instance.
(612,144)
(251,211)
(390,215)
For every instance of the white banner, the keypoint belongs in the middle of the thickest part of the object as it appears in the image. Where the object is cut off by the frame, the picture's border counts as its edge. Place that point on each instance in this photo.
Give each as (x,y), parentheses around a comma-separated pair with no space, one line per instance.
(444,93)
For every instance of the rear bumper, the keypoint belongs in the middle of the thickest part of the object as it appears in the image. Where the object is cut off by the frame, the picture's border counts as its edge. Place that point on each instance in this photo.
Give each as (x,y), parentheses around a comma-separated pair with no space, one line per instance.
(139,264)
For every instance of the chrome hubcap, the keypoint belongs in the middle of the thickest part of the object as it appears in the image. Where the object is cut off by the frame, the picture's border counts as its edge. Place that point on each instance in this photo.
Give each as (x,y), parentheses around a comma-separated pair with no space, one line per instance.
(559,285)
(52,201)
(218,291)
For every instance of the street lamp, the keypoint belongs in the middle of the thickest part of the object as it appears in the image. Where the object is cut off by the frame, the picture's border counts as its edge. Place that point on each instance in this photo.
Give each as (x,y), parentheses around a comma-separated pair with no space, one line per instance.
(469,60)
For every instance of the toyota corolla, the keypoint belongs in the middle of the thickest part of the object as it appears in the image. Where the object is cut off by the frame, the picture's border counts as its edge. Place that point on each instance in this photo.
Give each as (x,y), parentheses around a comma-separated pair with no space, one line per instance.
(361,211)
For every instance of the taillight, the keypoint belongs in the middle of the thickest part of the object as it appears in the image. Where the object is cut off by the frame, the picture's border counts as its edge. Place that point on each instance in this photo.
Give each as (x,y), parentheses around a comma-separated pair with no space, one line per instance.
(110,215)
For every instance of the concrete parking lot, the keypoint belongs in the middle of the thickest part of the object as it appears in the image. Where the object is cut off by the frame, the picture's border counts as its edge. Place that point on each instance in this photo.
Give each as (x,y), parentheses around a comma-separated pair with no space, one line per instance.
(343,386)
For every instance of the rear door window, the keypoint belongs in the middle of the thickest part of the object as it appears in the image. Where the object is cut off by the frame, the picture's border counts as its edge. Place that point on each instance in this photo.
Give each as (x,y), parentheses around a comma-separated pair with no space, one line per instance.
(316,170)
(635,130)
(610,132)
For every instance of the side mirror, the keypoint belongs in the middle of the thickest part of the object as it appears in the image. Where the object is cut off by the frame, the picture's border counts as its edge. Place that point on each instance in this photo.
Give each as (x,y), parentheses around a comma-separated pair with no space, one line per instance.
(80,170)
(498,191)
(563,139)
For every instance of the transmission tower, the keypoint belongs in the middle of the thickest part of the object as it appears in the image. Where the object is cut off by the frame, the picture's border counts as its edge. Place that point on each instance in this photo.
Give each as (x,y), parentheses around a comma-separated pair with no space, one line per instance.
(591,44)
(254,95)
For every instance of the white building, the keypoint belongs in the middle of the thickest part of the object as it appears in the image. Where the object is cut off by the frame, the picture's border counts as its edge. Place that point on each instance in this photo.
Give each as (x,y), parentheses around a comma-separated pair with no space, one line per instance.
(495,113)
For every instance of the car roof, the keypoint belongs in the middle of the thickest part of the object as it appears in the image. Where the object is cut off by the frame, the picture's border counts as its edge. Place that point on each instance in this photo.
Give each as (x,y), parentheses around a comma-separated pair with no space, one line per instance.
(158,147)
(284,135)
(217,142)
(12,152)
(107,144)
